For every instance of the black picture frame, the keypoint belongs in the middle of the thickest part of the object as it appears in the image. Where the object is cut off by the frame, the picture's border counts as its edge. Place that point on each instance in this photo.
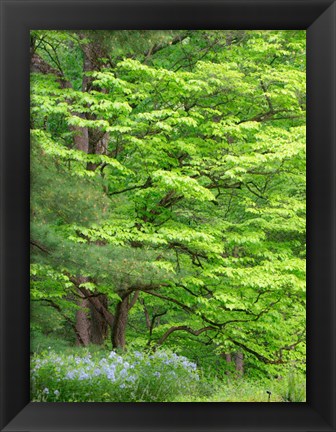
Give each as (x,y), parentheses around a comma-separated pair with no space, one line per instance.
(18,17)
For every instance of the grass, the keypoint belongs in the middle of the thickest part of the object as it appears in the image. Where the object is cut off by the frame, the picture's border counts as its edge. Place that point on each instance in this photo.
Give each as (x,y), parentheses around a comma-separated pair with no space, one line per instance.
(290,388)
(238,390)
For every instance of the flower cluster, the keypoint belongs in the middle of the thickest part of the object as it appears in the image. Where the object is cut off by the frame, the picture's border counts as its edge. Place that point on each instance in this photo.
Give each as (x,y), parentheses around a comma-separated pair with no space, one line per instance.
(136,376)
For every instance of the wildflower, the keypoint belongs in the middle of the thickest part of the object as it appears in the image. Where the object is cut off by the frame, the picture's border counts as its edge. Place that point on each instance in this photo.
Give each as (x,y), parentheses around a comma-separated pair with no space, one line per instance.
(56,392)
(70,375)
(157,374)
(46,391)
(110,374)
(83,375)
(186,364)
(131,378)
(123,373)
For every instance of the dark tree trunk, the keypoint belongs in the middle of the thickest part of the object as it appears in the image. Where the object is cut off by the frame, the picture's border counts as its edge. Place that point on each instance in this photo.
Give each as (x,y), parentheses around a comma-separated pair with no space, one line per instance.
(239,362)
(91,324)
(120,324)
(82,315)
(92,142)
(99,326)
(83,323)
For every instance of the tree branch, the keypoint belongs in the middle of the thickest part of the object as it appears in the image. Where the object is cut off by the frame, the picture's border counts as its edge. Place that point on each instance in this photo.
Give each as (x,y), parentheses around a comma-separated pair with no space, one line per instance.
(147,184)
(68,320)
(133,300)
(96,303)
(256,354)
(38,65)
(183,328)
(158,47)
(39,246)
(153,321)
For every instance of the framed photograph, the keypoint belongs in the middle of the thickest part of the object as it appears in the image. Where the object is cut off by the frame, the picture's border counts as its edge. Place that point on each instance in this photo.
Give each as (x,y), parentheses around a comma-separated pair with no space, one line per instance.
(168,213)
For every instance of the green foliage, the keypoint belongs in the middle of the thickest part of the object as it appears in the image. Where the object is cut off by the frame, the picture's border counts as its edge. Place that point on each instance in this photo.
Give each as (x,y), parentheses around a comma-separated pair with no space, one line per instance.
(48,328)
(189,190)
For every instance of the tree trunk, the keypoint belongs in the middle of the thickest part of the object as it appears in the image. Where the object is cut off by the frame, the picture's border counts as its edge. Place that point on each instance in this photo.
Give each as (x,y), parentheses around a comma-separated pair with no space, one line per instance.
(99,326)
(238,359)
(80,137)
(83,323)
(120,323)
(97,139)
(239,362)
(92,142)
(90,324)
(228,358)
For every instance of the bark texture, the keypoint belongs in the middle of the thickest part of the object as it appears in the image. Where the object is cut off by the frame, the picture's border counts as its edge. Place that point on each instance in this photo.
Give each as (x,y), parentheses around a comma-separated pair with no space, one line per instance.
(239,361)
(99,326)
(120,324)
(82,320)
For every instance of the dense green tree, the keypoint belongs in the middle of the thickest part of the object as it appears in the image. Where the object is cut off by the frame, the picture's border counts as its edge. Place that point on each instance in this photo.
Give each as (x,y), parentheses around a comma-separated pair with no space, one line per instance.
(168,188)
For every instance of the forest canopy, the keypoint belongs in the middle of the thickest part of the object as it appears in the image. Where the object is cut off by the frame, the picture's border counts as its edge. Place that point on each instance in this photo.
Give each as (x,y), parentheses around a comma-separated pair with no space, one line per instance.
(168,195)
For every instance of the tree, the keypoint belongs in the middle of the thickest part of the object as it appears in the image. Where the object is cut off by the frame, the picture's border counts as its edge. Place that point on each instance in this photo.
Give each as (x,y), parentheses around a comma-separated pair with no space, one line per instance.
(174,176)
